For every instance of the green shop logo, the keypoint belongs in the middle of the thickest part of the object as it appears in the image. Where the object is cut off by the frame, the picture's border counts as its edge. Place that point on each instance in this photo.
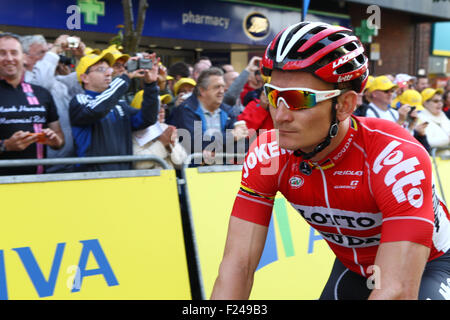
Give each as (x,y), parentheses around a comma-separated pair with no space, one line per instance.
(90,9)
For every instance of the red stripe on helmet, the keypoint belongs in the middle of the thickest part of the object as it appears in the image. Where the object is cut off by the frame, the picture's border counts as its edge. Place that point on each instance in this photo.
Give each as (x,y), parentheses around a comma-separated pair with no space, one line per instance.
(266,62)
(327,74)
(319,36)
(302,64)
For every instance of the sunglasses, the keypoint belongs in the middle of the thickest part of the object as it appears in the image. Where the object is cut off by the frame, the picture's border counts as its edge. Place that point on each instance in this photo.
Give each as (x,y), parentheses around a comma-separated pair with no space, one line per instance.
(101,70)
(298,98)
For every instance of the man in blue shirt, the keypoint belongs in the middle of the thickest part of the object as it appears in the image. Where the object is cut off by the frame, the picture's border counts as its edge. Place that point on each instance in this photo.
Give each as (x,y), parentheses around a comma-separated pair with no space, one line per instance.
(102,123)
(208,123)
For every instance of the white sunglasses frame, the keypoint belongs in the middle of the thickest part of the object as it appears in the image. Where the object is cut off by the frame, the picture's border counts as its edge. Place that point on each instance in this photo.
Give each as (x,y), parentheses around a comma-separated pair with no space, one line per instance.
(320,95)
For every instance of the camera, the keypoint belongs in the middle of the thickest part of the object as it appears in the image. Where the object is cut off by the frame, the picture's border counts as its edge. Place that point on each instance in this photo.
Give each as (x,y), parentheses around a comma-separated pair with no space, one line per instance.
(409,118)
(133,65)
(73,42)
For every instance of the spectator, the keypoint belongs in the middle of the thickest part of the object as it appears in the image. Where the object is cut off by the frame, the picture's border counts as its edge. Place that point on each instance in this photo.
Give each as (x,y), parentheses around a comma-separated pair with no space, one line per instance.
(159,139)
(446,99)
(234,84)
(179,70)
(102,124)
(65,66)
(363,100)
(208,120)
(174,73)
(447,86)
(381,93)
(203,63)
(183,89)
(416,127)
(227,68)
(421,83)
(254,82)
(404,81)
(28,115)
(63,88)
(120,61)
(34,49)
(438,129)
(257,116)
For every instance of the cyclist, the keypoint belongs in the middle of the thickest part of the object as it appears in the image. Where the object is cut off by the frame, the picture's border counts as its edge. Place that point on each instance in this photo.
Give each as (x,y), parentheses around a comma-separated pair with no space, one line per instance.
(364,183)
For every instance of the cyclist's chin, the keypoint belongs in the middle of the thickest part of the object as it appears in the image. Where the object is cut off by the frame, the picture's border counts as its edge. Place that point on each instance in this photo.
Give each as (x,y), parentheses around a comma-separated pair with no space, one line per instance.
(289,140)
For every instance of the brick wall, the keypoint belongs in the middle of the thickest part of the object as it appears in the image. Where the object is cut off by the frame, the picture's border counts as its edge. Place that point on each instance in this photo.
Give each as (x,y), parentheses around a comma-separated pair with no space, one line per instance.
(404,45)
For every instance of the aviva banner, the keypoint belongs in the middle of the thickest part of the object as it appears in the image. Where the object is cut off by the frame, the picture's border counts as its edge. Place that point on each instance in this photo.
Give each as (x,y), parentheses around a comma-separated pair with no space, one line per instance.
(442,168)
(118,238)
(295,263)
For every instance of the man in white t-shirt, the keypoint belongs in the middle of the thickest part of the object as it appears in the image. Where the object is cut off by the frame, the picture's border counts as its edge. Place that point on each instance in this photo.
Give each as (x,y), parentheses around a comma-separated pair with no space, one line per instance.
(381,94)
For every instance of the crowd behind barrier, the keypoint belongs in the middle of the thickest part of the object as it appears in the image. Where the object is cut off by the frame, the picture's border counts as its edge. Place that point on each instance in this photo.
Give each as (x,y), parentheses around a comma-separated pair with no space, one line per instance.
(71,109)
(63,100)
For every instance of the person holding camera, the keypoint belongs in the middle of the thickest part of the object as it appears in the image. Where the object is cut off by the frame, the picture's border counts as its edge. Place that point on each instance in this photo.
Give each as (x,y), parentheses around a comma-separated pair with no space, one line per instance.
(235,82)
(102,123)
(412,99)
(255,80)
(44,72)
(381,95)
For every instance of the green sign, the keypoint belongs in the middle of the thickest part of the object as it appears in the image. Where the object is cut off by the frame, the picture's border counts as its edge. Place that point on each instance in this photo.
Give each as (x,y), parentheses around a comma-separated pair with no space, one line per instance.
(91,10)
(365,33)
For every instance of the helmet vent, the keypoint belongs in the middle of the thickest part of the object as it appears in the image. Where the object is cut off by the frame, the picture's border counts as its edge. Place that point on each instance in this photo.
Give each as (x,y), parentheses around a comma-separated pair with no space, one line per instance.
(310,51)
(317,30)
(351,46)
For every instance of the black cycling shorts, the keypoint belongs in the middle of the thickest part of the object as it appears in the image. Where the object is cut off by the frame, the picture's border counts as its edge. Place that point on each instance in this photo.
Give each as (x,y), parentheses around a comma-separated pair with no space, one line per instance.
(344,284)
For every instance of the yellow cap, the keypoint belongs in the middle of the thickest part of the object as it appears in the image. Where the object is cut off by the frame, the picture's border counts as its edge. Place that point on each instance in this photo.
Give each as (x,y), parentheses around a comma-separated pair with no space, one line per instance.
(91,59)
(182,81)
(117,54)
(369,82)
(139,96)
(89,50)
(411,98)
(381,83)
(428,93)
(165,98)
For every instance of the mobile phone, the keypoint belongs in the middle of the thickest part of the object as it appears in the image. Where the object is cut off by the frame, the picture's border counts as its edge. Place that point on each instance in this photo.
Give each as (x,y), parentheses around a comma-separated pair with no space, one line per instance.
(40,135)
(408,117)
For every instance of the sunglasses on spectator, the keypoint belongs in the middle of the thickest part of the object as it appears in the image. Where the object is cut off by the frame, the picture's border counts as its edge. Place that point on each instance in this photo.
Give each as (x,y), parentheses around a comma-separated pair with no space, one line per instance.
(388,91)
(298,98)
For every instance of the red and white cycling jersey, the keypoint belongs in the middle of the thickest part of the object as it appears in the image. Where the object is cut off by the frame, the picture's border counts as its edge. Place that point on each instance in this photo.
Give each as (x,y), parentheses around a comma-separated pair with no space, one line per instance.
(375,187)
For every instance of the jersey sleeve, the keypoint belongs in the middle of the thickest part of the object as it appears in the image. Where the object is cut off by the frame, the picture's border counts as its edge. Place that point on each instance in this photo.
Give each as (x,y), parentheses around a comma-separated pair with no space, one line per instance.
(401,181)
(259,184)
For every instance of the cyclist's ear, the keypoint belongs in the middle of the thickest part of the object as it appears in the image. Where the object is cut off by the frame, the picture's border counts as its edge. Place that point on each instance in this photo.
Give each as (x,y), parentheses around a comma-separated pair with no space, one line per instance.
(346,105)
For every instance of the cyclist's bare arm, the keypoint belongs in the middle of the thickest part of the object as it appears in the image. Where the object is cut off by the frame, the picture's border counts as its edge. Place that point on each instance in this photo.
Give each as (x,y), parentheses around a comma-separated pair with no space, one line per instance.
(401,266)
(243,249)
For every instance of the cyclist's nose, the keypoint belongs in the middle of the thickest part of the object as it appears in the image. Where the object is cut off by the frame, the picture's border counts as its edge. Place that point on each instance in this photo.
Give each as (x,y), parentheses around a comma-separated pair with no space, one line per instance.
(282,112)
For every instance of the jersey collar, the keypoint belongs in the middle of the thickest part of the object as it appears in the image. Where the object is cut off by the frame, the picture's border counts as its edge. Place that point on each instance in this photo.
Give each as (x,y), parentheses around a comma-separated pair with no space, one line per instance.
(340,151)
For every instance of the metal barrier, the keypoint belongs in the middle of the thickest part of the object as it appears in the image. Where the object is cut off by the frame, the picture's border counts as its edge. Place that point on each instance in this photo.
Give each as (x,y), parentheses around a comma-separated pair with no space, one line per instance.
(182,184)
(434,152)
(85,160)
